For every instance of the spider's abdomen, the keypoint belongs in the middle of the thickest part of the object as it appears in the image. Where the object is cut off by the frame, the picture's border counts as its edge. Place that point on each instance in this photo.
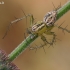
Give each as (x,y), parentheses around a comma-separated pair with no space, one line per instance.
(50,18)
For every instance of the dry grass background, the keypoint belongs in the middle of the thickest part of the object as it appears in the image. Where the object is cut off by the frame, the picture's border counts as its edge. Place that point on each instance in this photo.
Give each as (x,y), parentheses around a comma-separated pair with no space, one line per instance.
(57,58)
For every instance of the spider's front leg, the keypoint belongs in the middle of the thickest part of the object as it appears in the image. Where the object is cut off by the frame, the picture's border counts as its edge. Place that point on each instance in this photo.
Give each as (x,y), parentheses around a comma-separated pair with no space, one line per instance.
(44,40)
(19,19)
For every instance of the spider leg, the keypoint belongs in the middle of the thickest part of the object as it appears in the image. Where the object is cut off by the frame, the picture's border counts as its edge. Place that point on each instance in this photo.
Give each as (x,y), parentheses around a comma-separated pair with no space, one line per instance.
(7,30)
(53,40)
(36,47)
(63,29)
(44,40)
(28,31)
(57,7)
(19,19)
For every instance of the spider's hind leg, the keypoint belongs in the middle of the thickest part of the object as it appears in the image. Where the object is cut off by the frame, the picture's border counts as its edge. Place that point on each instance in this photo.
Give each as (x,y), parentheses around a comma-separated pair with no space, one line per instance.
(54,38)
(63,29)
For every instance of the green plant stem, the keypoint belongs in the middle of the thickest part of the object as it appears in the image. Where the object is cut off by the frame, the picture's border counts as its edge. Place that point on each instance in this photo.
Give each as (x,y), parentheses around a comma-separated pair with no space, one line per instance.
(65,8)
(21,47)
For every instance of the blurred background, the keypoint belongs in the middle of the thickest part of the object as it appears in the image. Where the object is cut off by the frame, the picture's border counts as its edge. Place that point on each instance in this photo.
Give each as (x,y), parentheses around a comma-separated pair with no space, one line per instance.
(57,58)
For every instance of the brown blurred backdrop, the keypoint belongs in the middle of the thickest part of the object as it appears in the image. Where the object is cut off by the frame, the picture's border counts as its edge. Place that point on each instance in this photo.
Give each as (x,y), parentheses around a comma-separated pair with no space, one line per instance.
(57,58)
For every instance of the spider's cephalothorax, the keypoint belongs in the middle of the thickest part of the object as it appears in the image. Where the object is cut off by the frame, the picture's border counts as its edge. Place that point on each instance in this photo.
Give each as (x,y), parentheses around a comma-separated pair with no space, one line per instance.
(50,18)
(38,28)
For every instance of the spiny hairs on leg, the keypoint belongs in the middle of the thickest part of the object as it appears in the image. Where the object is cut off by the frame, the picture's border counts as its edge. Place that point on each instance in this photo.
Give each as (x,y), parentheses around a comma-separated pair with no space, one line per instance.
(45,43)
(15,21)
(63,29)
(57,7)
(37,47)
(10,24)
(53,40)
